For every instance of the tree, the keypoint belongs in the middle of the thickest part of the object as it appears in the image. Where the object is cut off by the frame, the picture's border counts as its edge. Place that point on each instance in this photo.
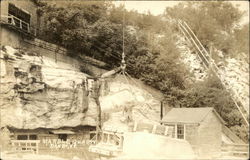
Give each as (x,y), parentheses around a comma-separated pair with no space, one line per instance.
(241,42)
(213,22)
(71,25)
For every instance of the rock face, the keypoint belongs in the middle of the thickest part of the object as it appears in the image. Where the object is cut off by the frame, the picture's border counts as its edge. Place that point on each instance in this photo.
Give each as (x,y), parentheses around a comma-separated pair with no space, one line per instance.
(130,100)
(191,60)
(38,92)
(236,73)
(232,71)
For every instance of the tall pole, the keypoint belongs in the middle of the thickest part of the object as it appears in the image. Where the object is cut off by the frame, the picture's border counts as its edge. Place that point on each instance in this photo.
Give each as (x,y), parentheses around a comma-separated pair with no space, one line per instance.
(161,110)
(123,54)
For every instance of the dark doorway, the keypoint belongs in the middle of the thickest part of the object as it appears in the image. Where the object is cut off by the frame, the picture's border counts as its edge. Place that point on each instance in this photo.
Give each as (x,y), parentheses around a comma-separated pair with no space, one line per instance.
(62,137)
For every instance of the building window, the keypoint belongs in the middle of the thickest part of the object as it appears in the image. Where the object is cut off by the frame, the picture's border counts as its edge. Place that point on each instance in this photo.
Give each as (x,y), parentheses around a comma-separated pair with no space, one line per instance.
(180,131)
(22,137)
(33,137)
(18,17)
(27,137)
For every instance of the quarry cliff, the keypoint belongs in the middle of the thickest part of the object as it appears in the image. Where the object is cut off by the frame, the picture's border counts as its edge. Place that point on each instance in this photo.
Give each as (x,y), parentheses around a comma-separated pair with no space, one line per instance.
(37,92)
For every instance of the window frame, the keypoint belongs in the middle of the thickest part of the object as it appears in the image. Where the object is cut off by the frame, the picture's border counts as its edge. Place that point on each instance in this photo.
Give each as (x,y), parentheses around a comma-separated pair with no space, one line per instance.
(22,137)
(27,135)
(177,130)
(20,18)
(33,137)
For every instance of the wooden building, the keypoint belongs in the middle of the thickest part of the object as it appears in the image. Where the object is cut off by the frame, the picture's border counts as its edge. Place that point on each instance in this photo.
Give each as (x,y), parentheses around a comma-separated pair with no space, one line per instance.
(201,127)
(43,138)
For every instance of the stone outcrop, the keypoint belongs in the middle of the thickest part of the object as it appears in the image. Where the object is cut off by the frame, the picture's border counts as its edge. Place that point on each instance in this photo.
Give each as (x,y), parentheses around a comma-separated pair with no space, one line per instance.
(191,60)
(37,92)
(130,98)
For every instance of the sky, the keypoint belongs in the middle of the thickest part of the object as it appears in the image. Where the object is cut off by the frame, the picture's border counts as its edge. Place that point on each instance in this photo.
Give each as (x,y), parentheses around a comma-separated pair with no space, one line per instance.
(158,7)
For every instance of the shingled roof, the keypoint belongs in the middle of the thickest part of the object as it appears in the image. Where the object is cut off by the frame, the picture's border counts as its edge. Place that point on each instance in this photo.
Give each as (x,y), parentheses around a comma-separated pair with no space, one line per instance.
(188,115)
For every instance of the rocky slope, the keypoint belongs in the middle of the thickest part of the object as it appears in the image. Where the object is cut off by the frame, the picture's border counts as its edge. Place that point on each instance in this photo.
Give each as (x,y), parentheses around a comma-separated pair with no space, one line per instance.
(233,71)
(191,60)
(38,92)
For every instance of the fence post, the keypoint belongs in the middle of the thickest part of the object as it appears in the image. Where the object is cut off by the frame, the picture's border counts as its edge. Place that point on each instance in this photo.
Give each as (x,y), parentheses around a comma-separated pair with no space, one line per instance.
(154,129)
(135,126)
(36,147)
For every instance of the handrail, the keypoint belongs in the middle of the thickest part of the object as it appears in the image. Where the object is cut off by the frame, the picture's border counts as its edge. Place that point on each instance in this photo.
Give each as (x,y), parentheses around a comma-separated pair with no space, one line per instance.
(207,58)
(17,22)
(21,22)
(192,40)
(186,36)
(12,16)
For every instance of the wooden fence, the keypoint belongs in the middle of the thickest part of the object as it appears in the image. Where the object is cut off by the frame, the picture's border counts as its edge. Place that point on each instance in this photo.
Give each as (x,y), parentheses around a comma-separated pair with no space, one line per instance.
(235,149)
(25,145)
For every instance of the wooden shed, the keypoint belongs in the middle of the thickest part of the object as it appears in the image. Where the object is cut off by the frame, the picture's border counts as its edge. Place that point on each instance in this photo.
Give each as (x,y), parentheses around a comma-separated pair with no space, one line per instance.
(201,127)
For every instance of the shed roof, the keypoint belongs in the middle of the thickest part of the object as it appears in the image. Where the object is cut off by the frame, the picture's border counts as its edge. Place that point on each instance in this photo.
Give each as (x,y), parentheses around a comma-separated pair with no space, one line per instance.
(188,115)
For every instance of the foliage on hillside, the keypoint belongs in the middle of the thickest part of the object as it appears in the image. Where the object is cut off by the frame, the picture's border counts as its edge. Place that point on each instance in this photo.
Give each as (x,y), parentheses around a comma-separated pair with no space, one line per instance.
(215,23)
(95,29)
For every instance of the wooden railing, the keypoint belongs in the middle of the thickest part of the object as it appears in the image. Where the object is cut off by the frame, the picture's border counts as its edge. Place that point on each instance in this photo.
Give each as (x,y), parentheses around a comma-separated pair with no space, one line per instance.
(18,23)
(25,145)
